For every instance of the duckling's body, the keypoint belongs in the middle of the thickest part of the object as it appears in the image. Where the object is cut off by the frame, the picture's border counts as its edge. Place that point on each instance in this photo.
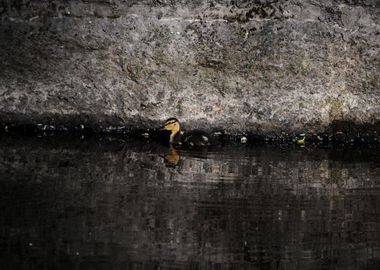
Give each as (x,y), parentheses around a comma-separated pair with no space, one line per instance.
(192,139)
(196,138)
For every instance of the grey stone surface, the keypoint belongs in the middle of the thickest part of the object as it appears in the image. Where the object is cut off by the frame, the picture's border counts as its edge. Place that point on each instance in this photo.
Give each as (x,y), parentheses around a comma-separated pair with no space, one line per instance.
(260,66)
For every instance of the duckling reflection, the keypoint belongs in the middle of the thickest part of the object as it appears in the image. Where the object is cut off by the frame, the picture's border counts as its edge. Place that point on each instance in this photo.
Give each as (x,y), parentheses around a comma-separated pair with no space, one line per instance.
(172,158)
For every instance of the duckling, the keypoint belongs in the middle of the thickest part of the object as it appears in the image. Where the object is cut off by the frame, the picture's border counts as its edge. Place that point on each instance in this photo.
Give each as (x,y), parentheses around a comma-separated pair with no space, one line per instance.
(194,138)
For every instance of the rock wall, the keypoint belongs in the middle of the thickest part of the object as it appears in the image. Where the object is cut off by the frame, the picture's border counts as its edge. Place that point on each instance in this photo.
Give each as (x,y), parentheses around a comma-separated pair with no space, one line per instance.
(268,65)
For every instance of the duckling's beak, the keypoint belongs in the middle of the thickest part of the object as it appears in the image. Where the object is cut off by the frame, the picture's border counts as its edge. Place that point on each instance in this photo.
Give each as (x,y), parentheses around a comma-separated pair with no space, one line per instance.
(164,128)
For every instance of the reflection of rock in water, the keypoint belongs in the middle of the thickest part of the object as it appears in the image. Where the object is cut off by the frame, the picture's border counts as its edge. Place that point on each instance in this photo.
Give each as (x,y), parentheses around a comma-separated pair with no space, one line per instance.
(121,206)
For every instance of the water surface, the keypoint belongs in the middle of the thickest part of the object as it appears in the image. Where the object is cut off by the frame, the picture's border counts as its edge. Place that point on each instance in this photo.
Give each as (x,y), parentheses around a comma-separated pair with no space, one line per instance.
(101,204)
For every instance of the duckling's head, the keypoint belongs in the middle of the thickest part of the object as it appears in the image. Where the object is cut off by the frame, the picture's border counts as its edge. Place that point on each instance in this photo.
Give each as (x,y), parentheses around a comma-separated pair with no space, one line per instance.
(172,125)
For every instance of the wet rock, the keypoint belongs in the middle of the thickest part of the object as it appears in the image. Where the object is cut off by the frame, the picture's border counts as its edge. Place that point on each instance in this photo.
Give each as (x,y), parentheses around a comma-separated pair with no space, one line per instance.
(252,66)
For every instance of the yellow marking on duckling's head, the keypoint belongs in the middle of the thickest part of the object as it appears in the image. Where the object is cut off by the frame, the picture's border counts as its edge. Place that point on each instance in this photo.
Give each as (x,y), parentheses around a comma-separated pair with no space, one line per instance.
(172,125)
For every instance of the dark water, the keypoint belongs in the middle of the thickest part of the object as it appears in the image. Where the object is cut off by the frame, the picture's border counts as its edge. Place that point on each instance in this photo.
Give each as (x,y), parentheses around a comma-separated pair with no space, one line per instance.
(113,205)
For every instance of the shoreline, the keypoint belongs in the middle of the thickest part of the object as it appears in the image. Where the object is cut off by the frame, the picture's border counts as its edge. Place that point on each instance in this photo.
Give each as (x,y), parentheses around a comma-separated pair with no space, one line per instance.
(338,133)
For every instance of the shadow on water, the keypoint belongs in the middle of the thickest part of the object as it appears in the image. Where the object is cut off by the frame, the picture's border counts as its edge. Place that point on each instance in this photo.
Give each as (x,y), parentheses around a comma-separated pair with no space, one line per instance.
(96,204)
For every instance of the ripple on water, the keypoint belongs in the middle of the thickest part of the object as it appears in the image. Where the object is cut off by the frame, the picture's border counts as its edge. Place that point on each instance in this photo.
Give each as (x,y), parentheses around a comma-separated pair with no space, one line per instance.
(92,204)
